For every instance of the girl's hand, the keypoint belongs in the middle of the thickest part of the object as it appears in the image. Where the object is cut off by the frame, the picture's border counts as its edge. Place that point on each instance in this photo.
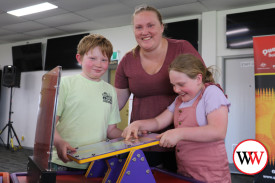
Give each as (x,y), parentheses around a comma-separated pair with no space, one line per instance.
(170,138)
(131,130)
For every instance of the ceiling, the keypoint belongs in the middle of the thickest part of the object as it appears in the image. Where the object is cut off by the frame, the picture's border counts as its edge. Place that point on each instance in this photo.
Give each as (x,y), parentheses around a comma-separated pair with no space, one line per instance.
(74,16)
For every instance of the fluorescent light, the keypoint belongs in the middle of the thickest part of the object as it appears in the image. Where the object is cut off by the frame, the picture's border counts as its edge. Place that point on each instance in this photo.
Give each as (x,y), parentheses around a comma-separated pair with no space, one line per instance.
(242,43)
(32,9)
(237,31)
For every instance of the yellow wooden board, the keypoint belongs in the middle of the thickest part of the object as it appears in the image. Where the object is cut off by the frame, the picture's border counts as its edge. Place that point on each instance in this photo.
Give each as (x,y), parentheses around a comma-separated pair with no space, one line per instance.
(110,148)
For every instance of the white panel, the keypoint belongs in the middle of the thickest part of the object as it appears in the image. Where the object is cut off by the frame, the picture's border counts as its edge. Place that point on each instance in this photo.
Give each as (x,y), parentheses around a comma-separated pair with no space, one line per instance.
(240,88)
(209,37)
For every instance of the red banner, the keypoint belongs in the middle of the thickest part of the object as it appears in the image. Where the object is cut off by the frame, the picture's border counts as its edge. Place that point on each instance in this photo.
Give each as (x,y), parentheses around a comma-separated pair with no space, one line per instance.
(264,63)
(264,54)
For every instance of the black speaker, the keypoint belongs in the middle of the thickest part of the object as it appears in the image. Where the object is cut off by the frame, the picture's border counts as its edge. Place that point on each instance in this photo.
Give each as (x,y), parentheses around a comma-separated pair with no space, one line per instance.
(11,76)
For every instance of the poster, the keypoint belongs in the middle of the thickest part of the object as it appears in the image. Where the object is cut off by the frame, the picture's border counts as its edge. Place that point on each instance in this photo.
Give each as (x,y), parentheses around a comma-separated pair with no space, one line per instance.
(264,63)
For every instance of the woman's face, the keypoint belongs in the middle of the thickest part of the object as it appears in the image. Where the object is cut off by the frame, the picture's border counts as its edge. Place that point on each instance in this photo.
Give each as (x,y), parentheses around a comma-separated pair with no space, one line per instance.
(184,86)
(148,30)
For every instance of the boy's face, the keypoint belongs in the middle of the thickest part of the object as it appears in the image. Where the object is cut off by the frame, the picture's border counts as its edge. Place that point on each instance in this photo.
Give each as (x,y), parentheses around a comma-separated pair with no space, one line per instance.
(94,64)
(184,86)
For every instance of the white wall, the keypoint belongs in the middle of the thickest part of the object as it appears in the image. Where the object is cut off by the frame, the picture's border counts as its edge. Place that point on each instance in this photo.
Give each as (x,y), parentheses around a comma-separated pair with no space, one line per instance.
(25,99)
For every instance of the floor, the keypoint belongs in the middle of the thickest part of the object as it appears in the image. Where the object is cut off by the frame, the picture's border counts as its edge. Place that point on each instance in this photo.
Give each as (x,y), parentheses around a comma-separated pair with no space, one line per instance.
(238,177)
(16,161)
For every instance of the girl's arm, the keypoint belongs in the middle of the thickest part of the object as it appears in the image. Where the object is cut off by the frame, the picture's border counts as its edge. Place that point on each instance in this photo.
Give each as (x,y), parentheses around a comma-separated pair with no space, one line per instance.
(155,124)
(215,130)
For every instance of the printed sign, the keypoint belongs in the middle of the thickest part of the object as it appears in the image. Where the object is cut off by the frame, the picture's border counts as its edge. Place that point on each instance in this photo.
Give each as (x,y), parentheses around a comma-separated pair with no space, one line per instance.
(264,63)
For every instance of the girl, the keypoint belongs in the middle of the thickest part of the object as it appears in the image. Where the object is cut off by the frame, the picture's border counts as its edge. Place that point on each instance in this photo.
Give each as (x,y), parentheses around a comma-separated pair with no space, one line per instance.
(200,116)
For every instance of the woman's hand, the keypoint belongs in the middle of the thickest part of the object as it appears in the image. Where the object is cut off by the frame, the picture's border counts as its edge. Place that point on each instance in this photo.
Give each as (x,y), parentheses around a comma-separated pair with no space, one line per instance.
(62,147)
(131,130)
(170,138)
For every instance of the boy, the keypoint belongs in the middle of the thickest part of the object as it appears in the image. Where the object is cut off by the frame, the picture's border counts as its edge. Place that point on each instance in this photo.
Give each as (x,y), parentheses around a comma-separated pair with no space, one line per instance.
(87,106)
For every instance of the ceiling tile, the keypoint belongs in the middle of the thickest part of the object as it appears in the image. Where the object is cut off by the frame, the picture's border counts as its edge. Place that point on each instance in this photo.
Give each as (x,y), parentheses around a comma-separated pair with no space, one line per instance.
(5,32)
(15,4)
(74,16)
(46,32)
(115,21)
(107,11)
(15,37)
(45,14)
(24,27)
(183,10)
(6,19)
(83,26)
(216,5)
(71,5)
(63,19)
(3,42)
(155,3)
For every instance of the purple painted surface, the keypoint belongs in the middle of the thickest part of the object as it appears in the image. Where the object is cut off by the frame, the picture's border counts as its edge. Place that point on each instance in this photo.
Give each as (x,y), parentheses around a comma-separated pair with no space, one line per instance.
(138,169)
(98,169)
(115,165)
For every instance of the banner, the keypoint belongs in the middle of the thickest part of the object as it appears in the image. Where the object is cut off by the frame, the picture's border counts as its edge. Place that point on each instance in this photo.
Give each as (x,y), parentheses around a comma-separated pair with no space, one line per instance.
(264,63)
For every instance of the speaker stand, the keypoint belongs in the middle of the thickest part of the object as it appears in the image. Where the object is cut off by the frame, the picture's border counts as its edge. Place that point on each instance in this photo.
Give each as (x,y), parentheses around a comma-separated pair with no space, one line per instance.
(11,131)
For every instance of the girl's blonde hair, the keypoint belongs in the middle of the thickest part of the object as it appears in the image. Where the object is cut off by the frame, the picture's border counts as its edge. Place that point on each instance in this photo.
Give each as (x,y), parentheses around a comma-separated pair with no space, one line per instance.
(93,40)
(192,66)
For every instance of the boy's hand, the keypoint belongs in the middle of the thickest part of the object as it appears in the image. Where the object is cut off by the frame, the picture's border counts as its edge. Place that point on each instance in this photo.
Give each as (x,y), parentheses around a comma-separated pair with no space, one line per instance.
(169,139)
(62,147)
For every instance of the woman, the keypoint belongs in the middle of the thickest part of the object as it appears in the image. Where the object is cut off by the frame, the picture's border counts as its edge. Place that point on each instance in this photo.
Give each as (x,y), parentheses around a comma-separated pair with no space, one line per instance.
(144,72)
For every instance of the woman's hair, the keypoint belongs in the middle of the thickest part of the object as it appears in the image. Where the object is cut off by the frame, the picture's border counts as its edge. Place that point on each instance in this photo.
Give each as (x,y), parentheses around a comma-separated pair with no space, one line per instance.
(143,8)
(191,66)
(93,40)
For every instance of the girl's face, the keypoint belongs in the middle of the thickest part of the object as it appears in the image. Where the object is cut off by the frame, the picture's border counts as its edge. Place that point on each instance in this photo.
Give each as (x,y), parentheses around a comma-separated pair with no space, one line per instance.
(184,86)
(94,64)
(148,30)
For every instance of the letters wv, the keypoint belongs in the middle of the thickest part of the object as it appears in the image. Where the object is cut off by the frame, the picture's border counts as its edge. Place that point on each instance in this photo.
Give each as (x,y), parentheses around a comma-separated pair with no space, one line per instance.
(247,156)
